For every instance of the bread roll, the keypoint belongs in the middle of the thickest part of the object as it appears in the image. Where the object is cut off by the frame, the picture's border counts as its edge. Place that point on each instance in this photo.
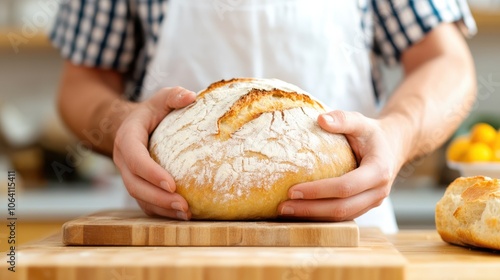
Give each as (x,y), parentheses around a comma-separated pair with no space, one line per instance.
(469,212)
(236,151)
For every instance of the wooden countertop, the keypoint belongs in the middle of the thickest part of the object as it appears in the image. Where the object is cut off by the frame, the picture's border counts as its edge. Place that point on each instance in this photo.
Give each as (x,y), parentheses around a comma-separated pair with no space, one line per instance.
(431,258)
(408,255)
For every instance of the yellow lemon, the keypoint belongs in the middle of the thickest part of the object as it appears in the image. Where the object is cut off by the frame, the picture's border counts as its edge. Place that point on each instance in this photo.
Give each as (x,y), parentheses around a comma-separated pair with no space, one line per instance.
(483,133)
(496,155)
(479,152)
(458,148)
(495,145)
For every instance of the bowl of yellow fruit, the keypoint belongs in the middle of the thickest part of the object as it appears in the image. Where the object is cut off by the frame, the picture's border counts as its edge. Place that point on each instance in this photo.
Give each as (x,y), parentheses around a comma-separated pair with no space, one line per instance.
(477,153)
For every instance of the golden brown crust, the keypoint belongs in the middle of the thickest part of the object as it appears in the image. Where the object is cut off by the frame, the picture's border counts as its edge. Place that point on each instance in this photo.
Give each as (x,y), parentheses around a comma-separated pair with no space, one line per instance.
(256,102)
(222,83)
(481,191)
(468,214)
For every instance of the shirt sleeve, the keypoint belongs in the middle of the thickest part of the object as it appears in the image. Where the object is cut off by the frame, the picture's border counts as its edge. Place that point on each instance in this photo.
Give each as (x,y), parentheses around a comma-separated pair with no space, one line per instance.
(95,33)
(398,24)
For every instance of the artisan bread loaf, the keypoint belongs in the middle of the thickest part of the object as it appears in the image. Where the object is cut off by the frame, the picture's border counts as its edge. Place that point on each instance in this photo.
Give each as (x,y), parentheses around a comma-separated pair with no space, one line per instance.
(469,212)
(236,151)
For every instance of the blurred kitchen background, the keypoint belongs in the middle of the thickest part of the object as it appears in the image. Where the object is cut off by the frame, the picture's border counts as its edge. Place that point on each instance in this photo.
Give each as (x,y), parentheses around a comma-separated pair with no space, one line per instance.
(58,180)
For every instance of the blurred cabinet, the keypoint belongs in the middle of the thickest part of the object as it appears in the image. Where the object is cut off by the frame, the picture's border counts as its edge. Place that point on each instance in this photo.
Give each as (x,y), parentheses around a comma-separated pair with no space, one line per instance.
(24,24)
(13,40)
(487,20)
(486,13)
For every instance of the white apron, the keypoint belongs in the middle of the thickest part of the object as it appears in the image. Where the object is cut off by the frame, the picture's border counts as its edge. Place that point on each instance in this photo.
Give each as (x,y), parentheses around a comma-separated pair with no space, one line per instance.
(314,44)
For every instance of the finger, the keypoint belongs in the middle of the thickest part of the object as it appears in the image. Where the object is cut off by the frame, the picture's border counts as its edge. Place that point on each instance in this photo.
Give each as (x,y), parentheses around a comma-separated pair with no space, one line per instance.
(344,122)
(132,155)
(347,218)
(143,190)
(132,142)
(167,99)
(152,210)
(340,209)
(368,175)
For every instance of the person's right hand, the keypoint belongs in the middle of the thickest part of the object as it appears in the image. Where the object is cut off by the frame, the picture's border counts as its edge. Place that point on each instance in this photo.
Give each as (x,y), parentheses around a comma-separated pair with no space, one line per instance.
(149,183)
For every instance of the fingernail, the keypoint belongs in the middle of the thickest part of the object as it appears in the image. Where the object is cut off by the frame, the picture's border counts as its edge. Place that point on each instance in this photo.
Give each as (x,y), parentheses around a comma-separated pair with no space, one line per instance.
(297,195)
(287,210)
(166,186)
(183,93)
(328,119)
(182,215)
(176,206)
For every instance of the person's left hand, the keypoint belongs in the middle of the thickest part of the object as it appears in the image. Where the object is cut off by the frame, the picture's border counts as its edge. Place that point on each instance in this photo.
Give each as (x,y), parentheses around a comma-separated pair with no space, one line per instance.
(351,195)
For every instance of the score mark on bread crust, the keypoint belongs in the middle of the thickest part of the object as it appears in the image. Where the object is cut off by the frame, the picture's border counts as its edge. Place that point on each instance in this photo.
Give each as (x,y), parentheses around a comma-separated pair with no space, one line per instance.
(258,101)
(222,83)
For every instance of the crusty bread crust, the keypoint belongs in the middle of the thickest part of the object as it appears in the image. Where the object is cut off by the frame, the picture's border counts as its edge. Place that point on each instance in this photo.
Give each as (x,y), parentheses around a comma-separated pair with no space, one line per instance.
(257,102)
(236,151)
(221,83)
(469,213)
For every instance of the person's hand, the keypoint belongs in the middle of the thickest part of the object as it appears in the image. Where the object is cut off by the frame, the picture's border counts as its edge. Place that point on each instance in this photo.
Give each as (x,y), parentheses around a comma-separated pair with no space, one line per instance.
(150,184)
(351,195)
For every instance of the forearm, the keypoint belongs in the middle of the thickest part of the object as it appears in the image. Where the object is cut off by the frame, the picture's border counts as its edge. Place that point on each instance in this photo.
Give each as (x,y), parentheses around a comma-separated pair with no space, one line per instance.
(435,96)
(90,103)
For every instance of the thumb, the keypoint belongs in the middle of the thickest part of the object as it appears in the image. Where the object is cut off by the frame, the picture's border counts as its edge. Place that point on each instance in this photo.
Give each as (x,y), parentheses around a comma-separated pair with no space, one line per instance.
(168,99)
(344,122)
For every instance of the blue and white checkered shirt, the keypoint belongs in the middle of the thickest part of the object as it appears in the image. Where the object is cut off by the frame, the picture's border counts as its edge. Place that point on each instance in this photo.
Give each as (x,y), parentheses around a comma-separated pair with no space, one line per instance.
(122,34)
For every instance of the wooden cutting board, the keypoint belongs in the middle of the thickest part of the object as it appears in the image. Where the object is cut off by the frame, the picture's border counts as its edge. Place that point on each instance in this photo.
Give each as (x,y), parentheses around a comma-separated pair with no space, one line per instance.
(134,228)
(374,259)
